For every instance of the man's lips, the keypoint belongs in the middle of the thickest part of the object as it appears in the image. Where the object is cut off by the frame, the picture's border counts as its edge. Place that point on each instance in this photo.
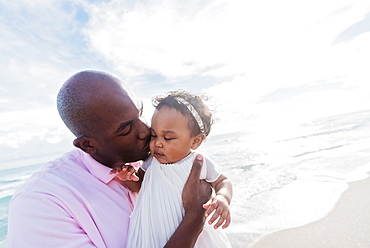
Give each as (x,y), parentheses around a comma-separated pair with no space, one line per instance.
(146,148)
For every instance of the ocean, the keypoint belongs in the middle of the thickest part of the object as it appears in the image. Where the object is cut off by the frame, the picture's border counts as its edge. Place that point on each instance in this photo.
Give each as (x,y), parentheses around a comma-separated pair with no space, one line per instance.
(280,181)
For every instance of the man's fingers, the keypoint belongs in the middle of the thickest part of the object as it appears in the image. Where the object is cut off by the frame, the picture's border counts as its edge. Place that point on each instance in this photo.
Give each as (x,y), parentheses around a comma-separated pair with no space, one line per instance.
(196,168)
(196,192)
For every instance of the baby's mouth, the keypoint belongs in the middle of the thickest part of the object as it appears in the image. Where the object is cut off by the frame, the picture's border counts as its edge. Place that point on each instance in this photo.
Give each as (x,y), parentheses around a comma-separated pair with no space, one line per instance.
(158,155)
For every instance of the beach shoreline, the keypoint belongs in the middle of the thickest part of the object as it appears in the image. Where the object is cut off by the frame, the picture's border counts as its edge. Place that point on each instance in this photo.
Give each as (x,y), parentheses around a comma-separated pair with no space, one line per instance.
(346,225)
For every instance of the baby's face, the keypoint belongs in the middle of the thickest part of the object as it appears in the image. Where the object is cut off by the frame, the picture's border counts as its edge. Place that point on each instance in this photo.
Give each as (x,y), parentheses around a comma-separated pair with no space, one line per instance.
(171,138)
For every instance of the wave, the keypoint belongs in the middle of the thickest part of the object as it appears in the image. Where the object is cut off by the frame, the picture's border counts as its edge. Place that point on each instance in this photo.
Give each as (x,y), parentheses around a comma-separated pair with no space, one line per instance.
(346,123)
(6,181)
(11,179)
(318,150)
(340,130)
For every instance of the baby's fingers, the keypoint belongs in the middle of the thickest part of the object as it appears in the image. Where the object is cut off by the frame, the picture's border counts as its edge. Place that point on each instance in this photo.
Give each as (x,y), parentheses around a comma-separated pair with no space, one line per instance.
(131,175)
(211,208)
(118,170)
(223,218)
(206,206)
(215,216)
(227,222)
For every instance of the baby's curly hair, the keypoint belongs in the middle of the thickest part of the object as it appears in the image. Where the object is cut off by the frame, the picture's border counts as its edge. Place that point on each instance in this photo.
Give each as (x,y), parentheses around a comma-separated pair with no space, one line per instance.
(204,112)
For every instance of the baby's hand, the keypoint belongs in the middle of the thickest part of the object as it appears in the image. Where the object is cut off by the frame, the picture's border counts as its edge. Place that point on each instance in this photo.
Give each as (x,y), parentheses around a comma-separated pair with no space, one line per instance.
(220,206)
(125,173)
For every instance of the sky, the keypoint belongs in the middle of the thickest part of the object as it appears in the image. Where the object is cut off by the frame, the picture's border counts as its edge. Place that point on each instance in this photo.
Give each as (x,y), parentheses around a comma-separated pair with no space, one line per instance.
(279,62)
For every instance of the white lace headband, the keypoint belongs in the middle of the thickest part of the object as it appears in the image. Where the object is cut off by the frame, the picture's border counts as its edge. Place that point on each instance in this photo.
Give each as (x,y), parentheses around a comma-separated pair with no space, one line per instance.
(193,111)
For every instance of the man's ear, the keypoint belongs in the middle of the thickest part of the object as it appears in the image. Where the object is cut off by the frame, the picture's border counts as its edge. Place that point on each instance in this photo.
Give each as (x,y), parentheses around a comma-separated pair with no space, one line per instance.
(198,140)
(86,144)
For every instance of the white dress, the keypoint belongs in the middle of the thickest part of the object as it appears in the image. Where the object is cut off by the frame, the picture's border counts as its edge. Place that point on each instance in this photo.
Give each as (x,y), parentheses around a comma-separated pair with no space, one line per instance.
(159,211)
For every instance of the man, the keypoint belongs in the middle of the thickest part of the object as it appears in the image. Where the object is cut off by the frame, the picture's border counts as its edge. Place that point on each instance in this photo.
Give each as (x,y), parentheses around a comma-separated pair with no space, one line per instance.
(74,201)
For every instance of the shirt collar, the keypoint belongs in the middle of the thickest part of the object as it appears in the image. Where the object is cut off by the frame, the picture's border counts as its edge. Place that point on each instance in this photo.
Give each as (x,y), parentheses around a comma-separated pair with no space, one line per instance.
(96,169)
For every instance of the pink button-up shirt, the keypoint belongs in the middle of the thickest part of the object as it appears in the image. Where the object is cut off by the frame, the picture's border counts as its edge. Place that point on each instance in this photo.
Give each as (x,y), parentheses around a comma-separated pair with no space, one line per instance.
(72,201)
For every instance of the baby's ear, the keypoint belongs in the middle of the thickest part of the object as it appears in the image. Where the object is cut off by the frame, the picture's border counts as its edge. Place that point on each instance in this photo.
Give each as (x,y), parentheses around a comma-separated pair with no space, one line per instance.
(197,141)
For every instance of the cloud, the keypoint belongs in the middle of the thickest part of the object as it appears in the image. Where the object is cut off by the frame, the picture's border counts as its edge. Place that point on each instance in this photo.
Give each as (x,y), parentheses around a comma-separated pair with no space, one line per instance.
(283,43)
(41,47)
(237,51)
(161,37)
(32,133)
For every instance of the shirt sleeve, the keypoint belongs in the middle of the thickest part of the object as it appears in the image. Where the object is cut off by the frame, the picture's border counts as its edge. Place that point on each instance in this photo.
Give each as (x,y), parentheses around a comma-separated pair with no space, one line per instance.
(211,173)
(43,225)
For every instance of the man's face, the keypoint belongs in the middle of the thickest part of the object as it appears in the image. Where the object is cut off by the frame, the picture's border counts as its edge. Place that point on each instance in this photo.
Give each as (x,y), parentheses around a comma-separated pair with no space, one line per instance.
(123,137)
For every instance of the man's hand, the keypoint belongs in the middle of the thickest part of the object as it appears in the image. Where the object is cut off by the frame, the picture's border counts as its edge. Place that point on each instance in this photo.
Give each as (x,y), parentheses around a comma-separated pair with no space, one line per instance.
(196,192)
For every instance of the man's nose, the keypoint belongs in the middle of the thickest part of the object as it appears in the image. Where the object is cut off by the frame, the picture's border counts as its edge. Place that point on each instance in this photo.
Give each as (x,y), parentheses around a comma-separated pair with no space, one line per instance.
(144,131)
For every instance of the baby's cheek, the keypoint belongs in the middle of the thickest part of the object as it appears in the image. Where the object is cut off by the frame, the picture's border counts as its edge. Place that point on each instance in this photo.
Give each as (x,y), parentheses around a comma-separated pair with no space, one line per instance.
(151,145)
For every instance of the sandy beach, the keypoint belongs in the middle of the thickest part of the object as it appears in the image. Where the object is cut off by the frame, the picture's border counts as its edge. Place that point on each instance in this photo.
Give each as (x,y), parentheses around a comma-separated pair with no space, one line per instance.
(346,225)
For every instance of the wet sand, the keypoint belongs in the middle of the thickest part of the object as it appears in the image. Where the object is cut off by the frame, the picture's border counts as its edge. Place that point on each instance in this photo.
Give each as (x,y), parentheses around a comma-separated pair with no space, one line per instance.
(346,225)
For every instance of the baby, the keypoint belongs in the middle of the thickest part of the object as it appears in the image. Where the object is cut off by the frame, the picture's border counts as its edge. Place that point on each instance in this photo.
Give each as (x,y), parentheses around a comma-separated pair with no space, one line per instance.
(180,124)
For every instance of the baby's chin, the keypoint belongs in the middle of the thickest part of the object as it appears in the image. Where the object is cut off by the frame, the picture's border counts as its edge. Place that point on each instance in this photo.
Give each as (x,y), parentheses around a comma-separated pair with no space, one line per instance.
(163,159)
(160,157)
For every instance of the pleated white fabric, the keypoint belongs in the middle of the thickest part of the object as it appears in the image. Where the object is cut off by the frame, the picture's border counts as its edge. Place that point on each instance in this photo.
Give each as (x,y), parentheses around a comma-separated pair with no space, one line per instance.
(159,211)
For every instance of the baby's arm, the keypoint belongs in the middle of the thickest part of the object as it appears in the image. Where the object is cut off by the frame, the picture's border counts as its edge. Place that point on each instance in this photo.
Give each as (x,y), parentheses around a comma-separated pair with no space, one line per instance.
(130,176)
(220,203)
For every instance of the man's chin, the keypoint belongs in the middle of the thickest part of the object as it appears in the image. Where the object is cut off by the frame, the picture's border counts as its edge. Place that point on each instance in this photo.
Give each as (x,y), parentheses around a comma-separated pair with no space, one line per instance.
(147,154)
(144,155)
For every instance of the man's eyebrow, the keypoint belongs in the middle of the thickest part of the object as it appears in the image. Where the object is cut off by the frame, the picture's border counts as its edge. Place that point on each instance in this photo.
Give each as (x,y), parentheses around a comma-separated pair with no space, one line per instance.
(123,125)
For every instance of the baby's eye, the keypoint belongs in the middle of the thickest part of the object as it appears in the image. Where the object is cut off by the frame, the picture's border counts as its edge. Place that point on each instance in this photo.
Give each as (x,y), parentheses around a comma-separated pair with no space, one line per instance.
(167,139)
